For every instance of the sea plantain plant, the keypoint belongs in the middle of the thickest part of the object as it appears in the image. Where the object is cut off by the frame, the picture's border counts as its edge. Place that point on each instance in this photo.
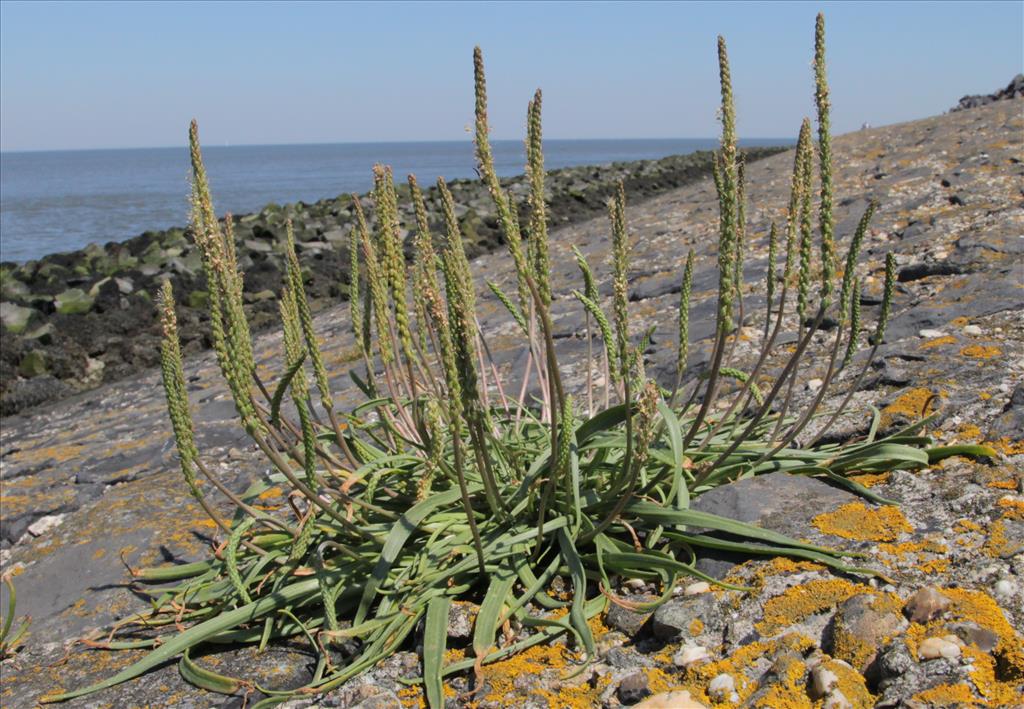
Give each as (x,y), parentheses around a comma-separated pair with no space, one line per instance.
(445,485)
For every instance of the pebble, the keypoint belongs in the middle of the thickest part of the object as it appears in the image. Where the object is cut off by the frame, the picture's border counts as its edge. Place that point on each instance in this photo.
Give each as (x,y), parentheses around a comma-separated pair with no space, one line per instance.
(836,700)
(1004,587)
(823,681)
(676,699)
(695,588)
(721,687)
(691,655)
(926,604)
(633,688)
(929,334)
(934,648)
(814,384)
(973,330)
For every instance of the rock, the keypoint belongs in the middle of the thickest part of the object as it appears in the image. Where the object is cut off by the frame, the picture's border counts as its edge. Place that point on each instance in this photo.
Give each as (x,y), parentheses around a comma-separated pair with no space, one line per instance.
(461,616)
(676,699)
(73,301)
(32,364)
(926,604)
(823,681)
(974,634)
(691,655)
(15,317)
(836,700)
(259,246)
(624,619)
(44,524)
(934,648)
(1013,90)
(860,626)
(697,588)
(778,501)
(1004,588)
(260,296)
(931,334)
(44,334)
(1010,421)
(687,617)
(633,688)
(814,384)
(972,330)
(721,687)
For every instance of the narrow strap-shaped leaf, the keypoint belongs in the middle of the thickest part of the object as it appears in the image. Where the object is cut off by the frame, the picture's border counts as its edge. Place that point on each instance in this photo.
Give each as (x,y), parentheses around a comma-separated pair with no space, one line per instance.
(435,639)
(969,451)
(207,679)
(579,583)
(487,617)
(664,515)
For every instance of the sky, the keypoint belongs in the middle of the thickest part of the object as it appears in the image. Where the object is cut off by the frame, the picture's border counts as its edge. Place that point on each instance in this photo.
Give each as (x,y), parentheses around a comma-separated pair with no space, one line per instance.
(115,75)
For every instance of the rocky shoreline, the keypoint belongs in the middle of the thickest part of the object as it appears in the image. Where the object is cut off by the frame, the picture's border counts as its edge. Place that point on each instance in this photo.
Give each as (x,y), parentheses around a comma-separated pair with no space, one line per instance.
(72,321)
(91,484)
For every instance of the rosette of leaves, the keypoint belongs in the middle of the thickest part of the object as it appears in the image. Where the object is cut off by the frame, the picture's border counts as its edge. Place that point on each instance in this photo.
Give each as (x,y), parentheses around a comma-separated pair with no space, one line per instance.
(444,485)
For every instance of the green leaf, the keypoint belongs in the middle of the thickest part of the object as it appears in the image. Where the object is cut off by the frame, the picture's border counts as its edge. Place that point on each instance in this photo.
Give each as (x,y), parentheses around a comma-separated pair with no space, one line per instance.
(207,679)
(435,639)
(487,617)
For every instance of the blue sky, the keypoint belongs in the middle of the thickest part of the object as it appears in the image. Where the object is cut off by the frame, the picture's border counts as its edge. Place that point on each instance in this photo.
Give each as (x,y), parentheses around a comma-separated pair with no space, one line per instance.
(90,75)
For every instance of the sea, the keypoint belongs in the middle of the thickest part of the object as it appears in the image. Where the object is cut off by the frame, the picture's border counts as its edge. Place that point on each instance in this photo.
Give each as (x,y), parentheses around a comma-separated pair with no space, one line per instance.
(62,200)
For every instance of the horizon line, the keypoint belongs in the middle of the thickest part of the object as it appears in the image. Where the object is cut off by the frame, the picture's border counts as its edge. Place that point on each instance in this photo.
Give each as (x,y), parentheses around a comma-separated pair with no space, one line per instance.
(210,146)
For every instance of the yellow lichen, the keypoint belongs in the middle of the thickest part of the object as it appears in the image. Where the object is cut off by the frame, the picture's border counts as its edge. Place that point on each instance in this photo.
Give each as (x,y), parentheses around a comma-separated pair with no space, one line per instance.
(980,608)
(871,479)
(1012,509)
(997,544)
(914,404)
(937,342)
(947,695)
(696,627)
(803,601)
(981,351)
(856,521)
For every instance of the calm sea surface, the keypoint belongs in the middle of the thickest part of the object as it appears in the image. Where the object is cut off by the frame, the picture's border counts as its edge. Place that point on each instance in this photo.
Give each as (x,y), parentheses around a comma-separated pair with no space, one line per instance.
(62,200)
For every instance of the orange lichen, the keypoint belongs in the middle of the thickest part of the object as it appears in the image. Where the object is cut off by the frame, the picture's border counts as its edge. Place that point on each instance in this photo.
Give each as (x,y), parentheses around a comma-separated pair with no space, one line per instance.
(912,404)
(937,342)
(856,521)
(997,544)
(947,695)
(871,479)
(270,493)
(696,627)
(1012,509)
(980,608)
(981,351)
(968,525)
(412,697)
(969,433)
(803,601)
(1007,446)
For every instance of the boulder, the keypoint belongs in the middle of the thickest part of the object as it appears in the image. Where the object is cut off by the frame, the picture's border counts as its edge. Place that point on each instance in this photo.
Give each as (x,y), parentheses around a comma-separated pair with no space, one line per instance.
(73,301)
(15,317)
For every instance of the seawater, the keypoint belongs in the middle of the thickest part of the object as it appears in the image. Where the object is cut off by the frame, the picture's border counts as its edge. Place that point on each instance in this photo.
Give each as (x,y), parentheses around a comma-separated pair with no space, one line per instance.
(54,201)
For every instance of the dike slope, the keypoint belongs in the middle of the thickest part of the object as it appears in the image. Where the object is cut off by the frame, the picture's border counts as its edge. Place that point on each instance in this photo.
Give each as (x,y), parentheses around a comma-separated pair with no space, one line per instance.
(93,480)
